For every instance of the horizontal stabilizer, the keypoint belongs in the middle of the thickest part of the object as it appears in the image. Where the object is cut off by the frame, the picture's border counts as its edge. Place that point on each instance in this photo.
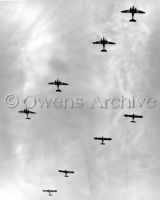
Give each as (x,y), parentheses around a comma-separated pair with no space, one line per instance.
(132,20)
(103,50)
(58,90)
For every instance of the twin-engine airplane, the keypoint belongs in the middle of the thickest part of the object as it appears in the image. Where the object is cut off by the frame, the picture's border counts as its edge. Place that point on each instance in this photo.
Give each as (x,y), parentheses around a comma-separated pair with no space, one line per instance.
(102,139)
(133,11)
(103,41)
(58,83)
(27,112)
(66,172)
(133,116)
(49,192)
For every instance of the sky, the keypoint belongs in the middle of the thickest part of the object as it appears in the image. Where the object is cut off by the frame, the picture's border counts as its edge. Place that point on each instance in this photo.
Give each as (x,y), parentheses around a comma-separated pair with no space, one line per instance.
(41,41)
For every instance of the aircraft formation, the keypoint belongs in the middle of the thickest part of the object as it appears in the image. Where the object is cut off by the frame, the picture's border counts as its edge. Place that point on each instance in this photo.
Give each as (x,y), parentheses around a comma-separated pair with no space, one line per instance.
(133,10)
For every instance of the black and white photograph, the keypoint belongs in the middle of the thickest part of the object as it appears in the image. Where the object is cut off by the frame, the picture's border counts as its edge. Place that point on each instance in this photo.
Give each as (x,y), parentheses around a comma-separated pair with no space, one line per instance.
(80,100)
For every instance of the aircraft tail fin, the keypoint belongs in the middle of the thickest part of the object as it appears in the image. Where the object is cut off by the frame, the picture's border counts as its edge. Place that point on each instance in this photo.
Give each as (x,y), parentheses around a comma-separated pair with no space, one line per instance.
(132,20)
(103,50)
(28,118)
(58,90)
(133,121)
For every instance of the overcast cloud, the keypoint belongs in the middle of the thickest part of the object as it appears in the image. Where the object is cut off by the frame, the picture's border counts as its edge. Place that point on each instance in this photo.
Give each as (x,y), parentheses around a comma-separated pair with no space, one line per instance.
(41,41)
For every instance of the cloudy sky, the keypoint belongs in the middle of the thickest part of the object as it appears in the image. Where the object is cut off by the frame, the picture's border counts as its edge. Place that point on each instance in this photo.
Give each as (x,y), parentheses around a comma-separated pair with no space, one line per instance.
(44,40)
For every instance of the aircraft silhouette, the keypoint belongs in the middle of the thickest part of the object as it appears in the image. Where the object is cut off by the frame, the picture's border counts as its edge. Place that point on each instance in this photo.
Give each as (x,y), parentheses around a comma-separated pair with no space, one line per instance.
(49,192)
(102,139)
(133,116)
(133,11)
(103,41)
(27,112)
(66,172)
(58,83)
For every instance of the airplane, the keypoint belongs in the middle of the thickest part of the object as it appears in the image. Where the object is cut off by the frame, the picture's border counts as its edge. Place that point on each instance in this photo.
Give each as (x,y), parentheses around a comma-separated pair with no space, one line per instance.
(27,112)
(103,41)
(133,116)
(49,192)
(66,172)
(58,83)
(102,139)
(133,10)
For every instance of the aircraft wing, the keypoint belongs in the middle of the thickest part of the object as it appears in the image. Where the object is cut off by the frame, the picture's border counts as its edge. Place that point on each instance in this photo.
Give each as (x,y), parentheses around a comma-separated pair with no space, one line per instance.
(126,11)
(52,83)
(97,138)
(98,42)
(71,172)
(62,171)
(52,190)
(107,138)
(45,190)
(108,42)
(31,112)
(21,111)
(61,83)
(138,116)
(139,11)
(128,115)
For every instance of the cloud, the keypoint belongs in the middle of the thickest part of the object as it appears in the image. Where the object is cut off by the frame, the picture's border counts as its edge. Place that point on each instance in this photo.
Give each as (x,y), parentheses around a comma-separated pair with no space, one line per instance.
(42,41)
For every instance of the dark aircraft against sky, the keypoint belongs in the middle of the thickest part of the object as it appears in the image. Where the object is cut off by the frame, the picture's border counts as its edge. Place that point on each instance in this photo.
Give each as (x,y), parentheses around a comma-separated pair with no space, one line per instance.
(133,11)
(133,116)
(103,41)
(66,172)
(58,83)
(27,112)
(102,139)
(49,192)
